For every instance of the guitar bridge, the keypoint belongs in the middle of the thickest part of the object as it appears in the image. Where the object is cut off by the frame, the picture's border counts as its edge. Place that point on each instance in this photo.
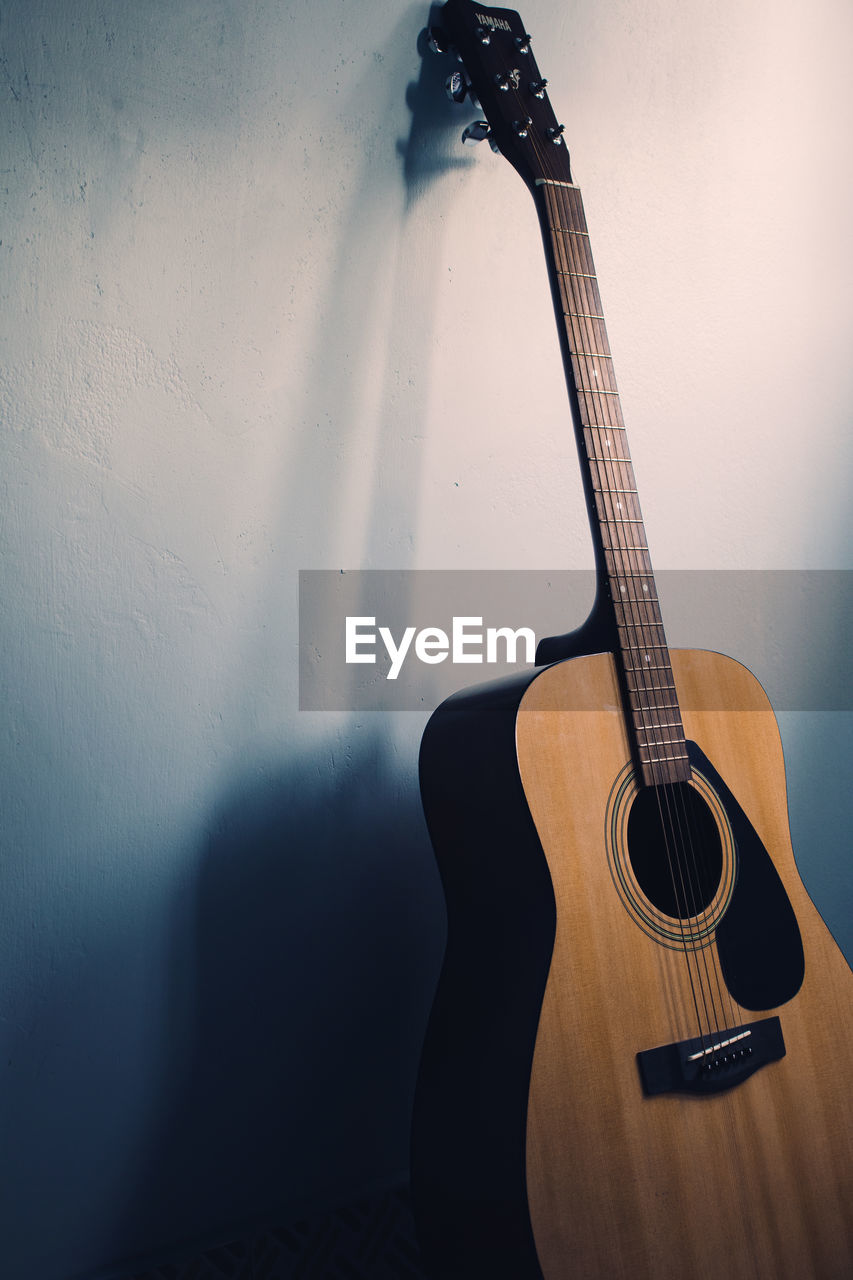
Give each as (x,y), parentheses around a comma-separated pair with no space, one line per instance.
(713,1063)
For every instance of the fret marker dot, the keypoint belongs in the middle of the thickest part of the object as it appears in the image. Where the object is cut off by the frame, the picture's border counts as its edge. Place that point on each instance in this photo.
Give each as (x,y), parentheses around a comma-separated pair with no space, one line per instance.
(647,658)
(624,590)
(645,588)
(618,506)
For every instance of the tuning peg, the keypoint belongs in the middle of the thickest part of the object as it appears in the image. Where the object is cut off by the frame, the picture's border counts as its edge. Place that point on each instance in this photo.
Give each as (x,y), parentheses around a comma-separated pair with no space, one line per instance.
(437,41)
(456,86)
(523,43)
(476,132)
(538,87)
(556,133)
(522,126)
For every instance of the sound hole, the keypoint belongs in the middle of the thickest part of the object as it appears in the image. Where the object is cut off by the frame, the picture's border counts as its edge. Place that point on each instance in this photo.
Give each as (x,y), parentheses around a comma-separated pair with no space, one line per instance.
(675,849)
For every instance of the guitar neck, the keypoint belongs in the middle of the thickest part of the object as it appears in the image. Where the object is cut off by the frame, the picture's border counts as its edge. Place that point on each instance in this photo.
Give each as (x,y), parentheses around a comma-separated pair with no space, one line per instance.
(651,705)
(502,76)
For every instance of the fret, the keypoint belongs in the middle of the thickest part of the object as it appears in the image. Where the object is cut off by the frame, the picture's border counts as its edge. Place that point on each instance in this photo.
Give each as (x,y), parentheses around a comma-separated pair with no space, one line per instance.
(647,622)
(610,552)
(631,664)
(580,275)
(657,689)
(658,742)
(597,355)
(649,666)
(624,599)
(658,726)
(647,603)
(594,391)
(637,717)
(646,690)
(654,625)
(658,682)
(616,544)
(608,406)
(625,571)
(584,331)
(662,759)
(638,625)
(659,706)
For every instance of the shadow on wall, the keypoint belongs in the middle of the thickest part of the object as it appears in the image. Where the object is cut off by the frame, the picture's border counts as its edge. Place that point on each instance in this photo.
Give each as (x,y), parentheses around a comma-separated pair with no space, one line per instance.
(298,1038)
(318,910)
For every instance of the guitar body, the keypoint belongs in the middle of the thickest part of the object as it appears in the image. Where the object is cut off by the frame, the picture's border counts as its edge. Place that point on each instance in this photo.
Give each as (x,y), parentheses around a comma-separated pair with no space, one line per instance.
(536,1150)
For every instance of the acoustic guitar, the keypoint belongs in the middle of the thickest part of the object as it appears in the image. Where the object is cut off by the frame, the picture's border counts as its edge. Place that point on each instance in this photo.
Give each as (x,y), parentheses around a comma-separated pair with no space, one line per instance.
(639,1062)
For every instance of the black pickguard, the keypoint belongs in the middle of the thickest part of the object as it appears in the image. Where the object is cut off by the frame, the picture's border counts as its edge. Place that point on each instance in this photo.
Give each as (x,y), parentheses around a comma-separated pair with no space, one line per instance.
(758,939)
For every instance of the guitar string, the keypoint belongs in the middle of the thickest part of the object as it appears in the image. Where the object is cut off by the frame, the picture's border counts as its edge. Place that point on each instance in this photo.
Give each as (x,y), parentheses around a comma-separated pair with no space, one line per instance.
(583,304)
(701,846)
(673,810)
(678,817)
(558,200)
(672,815)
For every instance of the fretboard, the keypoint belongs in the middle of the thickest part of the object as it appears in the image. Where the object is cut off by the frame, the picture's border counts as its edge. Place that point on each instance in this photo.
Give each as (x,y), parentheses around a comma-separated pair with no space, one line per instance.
(652,713)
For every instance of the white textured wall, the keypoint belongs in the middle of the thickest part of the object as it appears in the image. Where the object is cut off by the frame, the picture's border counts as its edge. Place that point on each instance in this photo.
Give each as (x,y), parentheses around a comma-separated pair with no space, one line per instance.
(256,317)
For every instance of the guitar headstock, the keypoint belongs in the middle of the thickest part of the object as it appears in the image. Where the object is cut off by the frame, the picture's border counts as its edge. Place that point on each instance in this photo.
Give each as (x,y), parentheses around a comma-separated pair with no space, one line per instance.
(499,72)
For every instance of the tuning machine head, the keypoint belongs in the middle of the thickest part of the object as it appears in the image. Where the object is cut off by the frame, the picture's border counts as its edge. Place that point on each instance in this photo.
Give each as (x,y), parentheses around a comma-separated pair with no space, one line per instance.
(437,41)
(479,131)
(457,86)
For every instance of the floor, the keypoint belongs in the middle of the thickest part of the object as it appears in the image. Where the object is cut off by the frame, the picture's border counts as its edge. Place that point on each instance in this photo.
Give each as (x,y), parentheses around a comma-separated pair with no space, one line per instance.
(373,1239)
